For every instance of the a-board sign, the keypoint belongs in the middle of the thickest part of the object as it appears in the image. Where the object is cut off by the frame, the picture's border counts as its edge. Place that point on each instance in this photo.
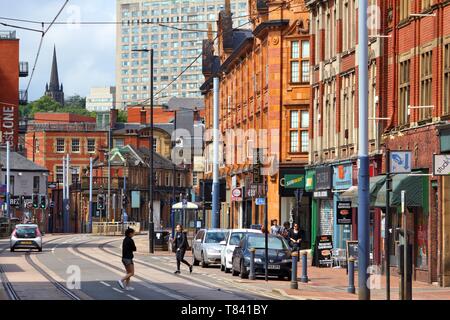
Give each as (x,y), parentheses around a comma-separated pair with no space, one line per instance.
(344,212)
(352,251)
(324,246)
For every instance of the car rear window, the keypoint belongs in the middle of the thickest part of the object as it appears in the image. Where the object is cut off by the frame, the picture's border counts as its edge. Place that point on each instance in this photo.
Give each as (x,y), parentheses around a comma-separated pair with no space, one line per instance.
(236,237)
(215,237)
(26,232)
(258,242)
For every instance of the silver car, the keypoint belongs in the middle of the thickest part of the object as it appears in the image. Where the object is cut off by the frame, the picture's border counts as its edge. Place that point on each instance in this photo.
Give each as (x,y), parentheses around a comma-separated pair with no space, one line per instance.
(206,247)
(26,236)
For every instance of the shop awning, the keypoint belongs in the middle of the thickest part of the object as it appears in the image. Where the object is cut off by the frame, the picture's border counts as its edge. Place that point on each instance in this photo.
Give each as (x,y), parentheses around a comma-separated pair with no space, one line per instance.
(352,193)
(415,188)
(189,205)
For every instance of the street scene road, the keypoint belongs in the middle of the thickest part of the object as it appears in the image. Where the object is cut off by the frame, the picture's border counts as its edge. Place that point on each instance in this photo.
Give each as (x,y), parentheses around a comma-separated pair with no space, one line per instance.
(53,274)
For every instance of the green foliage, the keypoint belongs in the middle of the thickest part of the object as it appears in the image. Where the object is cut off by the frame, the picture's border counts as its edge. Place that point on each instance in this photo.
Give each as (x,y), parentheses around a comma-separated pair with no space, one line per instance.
(74,104)
(122,116)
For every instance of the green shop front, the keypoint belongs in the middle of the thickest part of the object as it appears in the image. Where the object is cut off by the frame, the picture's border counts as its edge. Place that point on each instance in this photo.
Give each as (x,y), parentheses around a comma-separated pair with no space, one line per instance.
(295,206)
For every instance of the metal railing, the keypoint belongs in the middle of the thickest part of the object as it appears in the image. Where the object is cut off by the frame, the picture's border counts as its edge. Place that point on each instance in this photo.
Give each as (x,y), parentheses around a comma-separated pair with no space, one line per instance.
(114,228)
(23,97)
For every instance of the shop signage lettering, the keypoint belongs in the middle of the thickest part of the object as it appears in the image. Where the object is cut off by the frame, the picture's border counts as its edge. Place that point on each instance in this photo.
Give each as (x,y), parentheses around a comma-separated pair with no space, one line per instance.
(294,181)
(441,164)
(344,212)
(324,246)
(325,194)
(323,178)
(8,123)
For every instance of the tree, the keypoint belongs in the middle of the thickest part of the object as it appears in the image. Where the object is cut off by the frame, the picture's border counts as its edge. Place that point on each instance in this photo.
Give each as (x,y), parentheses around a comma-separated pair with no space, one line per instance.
(74,104)
(122,116)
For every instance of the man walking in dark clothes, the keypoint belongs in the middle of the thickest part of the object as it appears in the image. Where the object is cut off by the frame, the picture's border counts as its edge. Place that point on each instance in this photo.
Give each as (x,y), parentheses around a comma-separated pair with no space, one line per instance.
(180,244)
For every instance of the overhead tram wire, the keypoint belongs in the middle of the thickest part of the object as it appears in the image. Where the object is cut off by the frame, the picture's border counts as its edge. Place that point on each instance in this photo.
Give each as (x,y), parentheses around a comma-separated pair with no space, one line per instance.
(44,32)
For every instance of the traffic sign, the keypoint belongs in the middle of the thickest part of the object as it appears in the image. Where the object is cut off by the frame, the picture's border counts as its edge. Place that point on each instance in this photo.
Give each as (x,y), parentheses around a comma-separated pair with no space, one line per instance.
(400,161)
(260,201)
(236,194)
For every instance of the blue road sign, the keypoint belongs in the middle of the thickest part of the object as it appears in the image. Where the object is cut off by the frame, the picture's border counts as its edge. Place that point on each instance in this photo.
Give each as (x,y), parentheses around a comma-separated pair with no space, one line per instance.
(401,161)
(260,201)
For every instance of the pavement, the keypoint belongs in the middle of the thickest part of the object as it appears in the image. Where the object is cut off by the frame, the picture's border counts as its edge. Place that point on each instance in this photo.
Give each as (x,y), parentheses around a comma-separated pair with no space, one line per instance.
(326,283)
(36,275)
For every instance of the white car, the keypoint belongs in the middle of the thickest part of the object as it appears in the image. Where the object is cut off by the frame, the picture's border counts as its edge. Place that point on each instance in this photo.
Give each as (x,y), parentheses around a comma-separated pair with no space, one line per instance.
(26,236)
(232,239)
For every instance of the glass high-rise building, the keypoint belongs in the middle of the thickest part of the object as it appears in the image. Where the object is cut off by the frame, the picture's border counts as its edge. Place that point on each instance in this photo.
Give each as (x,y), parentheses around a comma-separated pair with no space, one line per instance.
(149,24)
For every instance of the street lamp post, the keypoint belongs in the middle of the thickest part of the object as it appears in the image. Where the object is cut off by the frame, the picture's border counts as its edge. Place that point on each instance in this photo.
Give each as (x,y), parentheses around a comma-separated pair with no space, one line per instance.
(363,155)
(151,227)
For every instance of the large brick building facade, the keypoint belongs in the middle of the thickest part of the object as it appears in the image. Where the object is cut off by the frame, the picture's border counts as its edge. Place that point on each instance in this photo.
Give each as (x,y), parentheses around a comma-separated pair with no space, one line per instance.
(10,96)
(334,117)
(264,85)
(417,100)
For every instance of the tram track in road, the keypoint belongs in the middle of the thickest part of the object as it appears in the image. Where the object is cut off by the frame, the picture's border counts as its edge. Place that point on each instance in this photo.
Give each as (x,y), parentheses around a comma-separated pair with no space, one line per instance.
(191,279)
(8,286)
(149,284)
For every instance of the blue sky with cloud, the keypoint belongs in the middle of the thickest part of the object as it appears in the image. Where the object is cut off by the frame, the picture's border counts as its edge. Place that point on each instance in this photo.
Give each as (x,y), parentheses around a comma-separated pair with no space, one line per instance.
(86,53)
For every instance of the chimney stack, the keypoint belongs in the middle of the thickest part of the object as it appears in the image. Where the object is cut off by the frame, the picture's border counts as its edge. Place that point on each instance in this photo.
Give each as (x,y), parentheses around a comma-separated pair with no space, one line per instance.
(113,115)
(143,116)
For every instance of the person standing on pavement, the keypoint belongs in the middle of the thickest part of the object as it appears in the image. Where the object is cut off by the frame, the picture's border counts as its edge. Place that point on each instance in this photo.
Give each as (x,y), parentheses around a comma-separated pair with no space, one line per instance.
(275,228)
(295,237)
(284,231)
(180,244)
(128,247)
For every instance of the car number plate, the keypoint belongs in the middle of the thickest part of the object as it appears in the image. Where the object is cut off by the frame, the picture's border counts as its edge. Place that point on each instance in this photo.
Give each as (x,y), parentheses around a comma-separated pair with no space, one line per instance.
(274,266)
(26,242)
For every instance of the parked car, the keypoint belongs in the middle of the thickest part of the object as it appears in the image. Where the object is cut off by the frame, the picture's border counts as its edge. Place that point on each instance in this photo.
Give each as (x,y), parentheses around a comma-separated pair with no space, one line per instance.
(233,239)
(280,260)
(206,246)
(26,236)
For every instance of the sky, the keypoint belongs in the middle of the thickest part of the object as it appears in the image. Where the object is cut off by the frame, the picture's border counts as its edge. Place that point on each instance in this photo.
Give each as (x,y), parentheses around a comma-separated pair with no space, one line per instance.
(85,53)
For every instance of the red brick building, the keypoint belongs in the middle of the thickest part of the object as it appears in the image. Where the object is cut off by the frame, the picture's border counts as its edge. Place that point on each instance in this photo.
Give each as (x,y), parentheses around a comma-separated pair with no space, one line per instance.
(264,98)
(334,117)
(417,103)
(10,96)
(51,137)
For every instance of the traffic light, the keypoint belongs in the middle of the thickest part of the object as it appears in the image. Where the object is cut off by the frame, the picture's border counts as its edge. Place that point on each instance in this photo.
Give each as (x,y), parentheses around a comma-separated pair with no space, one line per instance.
(124,201)
(100,202)
(43,201)
(35,201)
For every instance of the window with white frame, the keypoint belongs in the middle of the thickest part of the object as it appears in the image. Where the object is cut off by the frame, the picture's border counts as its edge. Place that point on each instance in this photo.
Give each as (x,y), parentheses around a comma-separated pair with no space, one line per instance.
(299,61)
(60,144)
(446,90)
(90,145)
(75,145)
(298,131)
(426,83)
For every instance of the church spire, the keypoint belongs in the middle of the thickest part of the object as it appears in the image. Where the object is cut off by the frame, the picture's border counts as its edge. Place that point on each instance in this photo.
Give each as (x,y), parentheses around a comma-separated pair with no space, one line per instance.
(54,78)
(54,89)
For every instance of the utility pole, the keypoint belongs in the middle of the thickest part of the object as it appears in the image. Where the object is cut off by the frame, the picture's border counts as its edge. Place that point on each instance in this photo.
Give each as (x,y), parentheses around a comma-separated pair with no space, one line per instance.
(172,211)
(90,194)
(363,156)
(109,171)
(387,227)
(151,224)
(68,193)
(216,185)
(8,181)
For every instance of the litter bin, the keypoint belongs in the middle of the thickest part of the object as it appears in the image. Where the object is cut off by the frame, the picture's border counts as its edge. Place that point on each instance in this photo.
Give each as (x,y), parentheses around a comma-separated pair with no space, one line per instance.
(161,240)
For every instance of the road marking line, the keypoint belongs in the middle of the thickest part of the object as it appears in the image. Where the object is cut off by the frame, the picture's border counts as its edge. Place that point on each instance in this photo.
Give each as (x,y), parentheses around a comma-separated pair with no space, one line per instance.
(134,298)
(117,290)
(106,284)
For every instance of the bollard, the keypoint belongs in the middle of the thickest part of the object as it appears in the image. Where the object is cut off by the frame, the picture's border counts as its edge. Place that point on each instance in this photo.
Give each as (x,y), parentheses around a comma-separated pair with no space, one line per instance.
(252,264)
(351,275)
(294,283)
(304,277)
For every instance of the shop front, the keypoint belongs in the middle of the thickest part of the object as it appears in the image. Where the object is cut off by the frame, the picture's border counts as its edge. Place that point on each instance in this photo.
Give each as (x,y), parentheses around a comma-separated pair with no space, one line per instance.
(342,181)
(295,202)
(324,198)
